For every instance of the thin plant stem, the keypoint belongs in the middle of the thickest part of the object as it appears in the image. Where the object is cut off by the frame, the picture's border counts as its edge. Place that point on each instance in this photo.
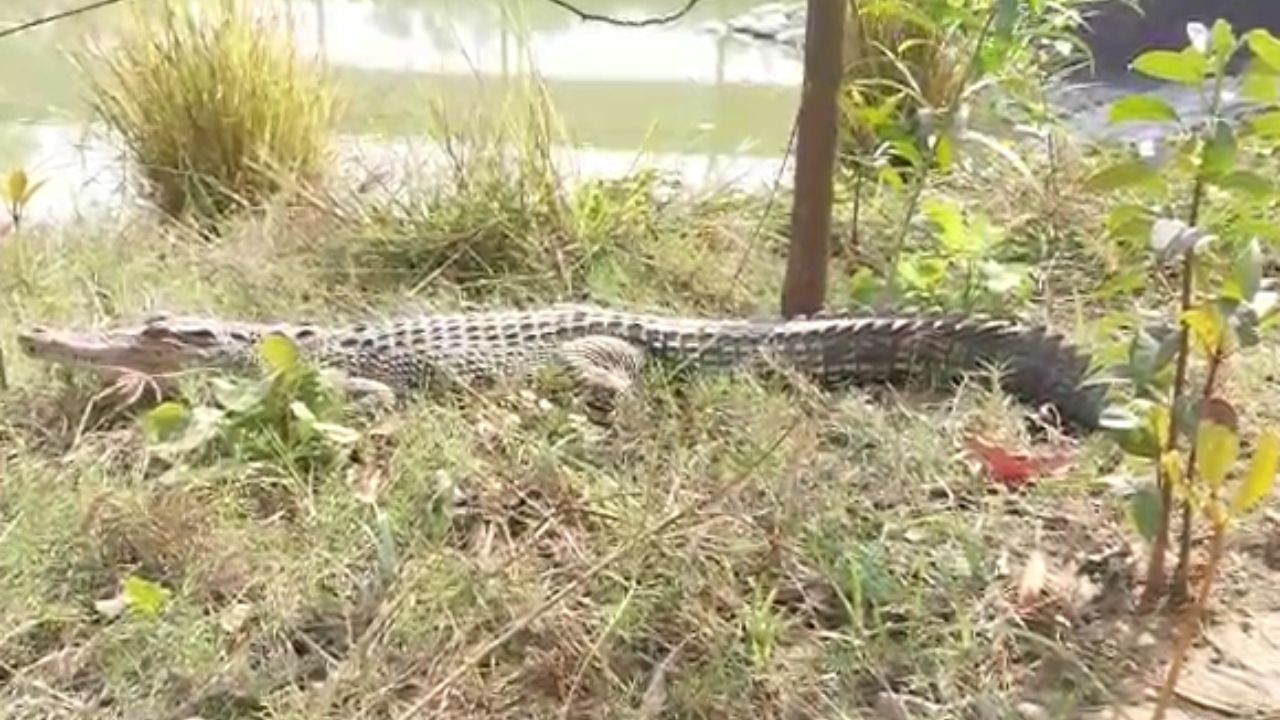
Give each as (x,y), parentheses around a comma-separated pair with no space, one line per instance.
(1155,585)
(1180,570)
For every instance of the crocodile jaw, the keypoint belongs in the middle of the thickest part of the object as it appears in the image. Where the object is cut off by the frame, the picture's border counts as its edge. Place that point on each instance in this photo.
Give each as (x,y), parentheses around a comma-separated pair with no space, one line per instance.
(122,349)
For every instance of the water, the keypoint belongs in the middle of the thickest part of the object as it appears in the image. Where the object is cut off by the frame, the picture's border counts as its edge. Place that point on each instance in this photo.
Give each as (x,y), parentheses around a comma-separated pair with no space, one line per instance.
(717,109)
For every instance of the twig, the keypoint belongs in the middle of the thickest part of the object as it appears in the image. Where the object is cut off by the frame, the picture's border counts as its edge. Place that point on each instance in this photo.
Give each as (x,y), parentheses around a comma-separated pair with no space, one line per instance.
(30,24)
(1191,626)
(655,20)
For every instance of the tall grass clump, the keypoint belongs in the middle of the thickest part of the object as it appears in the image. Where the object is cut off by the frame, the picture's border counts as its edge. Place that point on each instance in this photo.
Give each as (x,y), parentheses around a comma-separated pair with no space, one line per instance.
(213,105)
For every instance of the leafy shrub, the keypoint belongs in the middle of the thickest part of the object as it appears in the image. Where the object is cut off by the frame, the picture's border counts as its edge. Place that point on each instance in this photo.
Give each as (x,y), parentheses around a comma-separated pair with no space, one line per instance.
(213,106)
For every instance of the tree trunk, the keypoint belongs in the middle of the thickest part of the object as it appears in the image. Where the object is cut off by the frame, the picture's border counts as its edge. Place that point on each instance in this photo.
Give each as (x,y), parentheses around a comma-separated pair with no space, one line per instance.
(805,286)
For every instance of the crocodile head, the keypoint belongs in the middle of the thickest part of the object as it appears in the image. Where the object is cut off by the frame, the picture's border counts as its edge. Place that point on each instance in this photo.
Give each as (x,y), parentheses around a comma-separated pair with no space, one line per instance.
(162,344)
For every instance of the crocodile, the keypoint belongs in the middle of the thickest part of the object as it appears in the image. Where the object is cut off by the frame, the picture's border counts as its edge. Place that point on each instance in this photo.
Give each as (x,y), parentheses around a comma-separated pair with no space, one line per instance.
(607,349)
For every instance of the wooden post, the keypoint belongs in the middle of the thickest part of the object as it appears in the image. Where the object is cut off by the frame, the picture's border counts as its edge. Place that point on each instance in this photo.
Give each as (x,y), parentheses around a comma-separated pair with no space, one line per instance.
(805,285)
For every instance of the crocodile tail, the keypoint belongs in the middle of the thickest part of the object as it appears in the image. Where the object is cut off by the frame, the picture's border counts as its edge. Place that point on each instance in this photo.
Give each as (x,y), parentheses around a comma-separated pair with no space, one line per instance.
(1038,368)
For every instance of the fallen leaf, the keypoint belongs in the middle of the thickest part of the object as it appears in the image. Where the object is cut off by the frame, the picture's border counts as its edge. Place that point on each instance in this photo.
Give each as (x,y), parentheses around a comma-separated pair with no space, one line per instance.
(1015,469)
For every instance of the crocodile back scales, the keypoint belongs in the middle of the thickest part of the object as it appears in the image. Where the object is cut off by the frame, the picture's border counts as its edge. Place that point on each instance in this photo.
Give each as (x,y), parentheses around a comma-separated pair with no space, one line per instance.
(833,349)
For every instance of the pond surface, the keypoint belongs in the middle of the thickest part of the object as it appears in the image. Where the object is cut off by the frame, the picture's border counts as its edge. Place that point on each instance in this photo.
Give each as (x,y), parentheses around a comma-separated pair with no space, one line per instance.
(714,107)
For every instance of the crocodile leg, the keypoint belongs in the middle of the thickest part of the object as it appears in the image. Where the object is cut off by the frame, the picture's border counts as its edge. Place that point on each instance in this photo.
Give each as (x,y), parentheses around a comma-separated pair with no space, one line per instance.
(604,369)
(367,395)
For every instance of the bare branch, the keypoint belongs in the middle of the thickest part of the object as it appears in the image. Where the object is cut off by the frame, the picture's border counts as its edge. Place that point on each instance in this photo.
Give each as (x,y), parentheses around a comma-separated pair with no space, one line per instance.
(23,27)
(655,20)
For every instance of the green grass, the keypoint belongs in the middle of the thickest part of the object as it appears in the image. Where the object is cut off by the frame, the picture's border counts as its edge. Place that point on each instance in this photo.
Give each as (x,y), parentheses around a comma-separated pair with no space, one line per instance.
(733,548)
(832,548)
(213,107)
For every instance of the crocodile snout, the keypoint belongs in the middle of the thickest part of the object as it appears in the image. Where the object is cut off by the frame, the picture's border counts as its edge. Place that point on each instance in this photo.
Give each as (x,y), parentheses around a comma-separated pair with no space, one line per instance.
(29,340)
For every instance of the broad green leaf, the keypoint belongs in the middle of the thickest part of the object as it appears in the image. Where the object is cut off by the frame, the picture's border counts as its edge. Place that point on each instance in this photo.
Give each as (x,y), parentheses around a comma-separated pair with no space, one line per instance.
(1219,154)
(1217,441)
(1247,182)
(1124,174)
(1265,47)
(1246,276)
(949,219)
(1266,124)
(1145,510)
(165,421)
(1138,435)
(15,187)
(1261,476)
(864,285)
(1142,108)
(279,354)
(204,425)
(1186,67)
(1259,86)
(144,596)
(237,396)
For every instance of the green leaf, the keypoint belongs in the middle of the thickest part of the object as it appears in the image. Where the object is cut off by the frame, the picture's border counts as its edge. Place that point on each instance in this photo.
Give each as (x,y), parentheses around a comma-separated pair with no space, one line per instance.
(1222,39)
(204,425)
(1140,436)
(144,596)
(1128,173)
(238,396)
(1142,108)
(1261,477)
(279,354)
(1186,67)
(1145,511)
(1247,182)
(1267,124)
(949,219)
(1246,276)
(1006,18)
(1265,47)
(1259,86)
(1217,441)
(1219,154)
(944,152)
(165,421)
